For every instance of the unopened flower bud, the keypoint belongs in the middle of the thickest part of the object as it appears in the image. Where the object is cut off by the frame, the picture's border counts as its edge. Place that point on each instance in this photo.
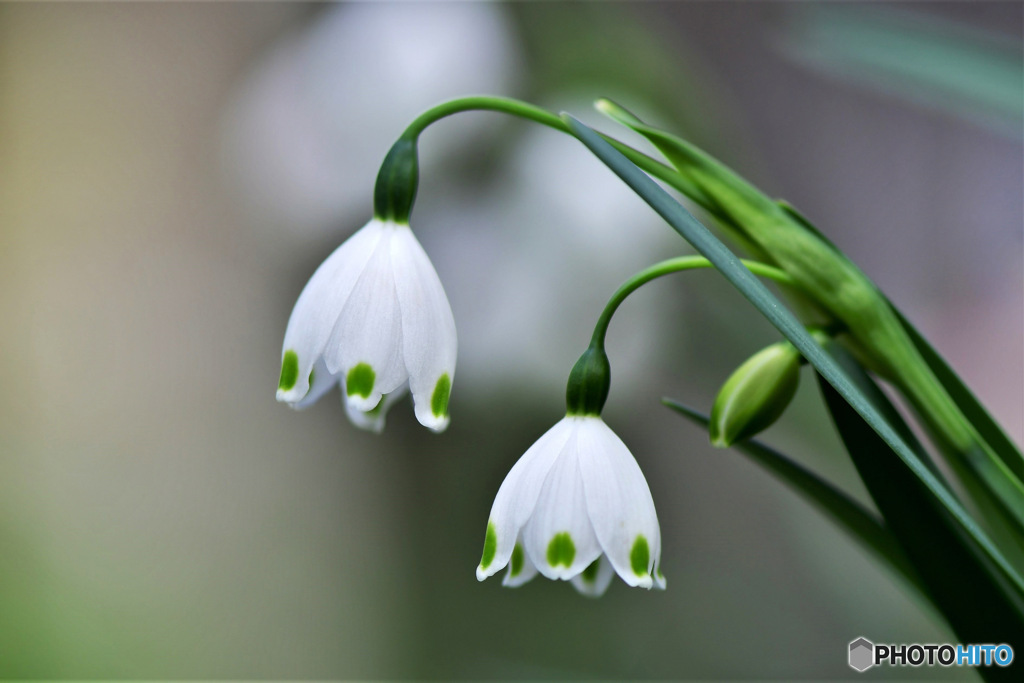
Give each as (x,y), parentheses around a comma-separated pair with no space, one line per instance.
(755,395)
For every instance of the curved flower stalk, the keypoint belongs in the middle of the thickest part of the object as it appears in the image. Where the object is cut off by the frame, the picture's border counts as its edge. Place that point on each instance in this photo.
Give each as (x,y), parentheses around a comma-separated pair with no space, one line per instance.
(576,506)
(375,320)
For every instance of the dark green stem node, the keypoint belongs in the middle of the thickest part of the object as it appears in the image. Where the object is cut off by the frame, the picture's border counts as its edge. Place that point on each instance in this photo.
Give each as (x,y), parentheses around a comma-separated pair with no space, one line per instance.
(589,382)
(395,191)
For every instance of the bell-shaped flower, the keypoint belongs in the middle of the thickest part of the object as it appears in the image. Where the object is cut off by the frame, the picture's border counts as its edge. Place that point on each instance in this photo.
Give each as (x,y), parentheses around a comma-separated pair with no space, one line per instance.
(375,320)
(575,507)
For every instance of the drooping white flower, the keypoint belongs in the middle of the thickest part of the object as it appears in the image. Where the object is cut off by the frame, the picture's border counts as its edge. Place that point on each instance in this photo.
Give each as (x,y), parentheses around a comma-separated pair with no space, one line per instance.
(375,320)
(575,507)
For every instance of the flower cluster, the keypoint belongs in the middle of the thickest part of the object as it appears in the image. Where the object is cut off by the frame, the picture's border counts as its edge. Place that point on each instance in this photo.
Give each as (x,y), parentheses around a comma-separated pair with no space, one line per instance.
(374,320)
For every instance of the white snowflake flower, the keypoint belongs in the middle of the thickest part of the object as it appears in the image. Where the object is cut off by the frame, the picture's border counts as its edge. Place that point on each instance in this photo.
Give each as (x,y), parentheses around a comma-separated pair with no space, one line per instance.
(375,320)
(575,507)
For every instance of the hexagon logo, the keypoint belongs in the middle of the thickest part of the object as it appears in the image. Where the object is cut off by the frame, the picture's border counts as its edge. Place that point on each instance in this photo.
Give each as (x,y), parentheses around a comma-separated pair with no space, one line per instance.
(862,654)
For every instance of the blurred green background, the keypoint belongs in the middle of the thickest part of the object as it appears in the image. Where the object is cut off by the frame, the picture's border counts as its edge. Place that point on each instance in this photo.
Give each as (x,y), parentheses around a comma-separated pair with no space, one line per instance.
(170,176)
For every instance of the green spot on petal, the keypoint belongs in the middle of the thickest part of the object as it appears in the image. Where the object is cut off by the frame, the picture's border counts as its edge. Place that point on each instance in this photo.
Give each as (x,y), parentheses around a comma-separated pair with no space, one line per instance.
(517,560)
(561,550)
(439,399)
(590,573)
(360,380)
(312,376)
(490,546)
(640,556)
(289,370)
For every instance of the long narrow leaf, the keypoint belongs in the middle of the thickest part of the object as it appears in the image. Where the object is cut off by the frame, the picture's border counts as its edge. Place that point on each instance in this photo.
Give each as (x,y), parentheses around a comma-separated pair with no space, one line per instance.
(966,401)
(975,598)
(990,478)
(987,427)
(861,524)
(729,264)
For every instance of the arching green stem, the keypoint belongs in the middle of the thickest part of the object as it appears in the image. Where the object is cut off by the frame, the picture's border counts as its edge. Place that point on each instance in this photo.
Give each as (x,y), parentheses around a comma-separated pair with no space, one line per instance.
(504,105)
(524,110)
(668,267)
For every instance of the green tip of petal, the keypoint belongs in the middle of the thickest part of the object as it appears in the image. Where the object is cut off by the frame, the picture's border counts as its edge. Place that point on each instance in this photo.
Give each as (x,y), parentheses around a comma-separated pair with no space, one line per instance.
(589,574)
(439,399)
(640,556)
(717,436)
(360,380)
(517,560)
(561,550)
(289,370)
(491,547)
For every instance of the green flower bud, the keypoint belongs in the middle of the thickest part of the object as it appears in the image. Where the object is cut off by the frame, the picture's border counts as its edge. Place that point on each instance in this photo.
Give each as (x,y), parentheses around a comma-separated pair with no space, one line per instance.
(589,382)
(399,175)
(755,395)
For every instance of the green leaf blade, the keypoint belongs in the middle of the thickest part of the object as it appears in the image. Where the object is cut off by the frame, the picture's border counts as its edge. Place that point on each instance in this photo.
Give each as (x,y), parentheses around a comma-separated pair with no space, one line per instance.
(729,265)
(977,600)
(972,408)
(860,524)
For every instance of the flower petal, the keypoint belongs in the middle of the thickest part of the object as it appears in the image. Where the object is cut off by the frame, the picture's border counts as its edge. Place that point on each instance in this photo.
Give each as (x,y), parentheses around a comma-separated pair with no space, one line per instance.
(322,382)
(428,329)
(517,498)
(659,579)
(365,346)
(619,503)
(373,420)
(558,537)
(318,307)
(595,579)
(520,569)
